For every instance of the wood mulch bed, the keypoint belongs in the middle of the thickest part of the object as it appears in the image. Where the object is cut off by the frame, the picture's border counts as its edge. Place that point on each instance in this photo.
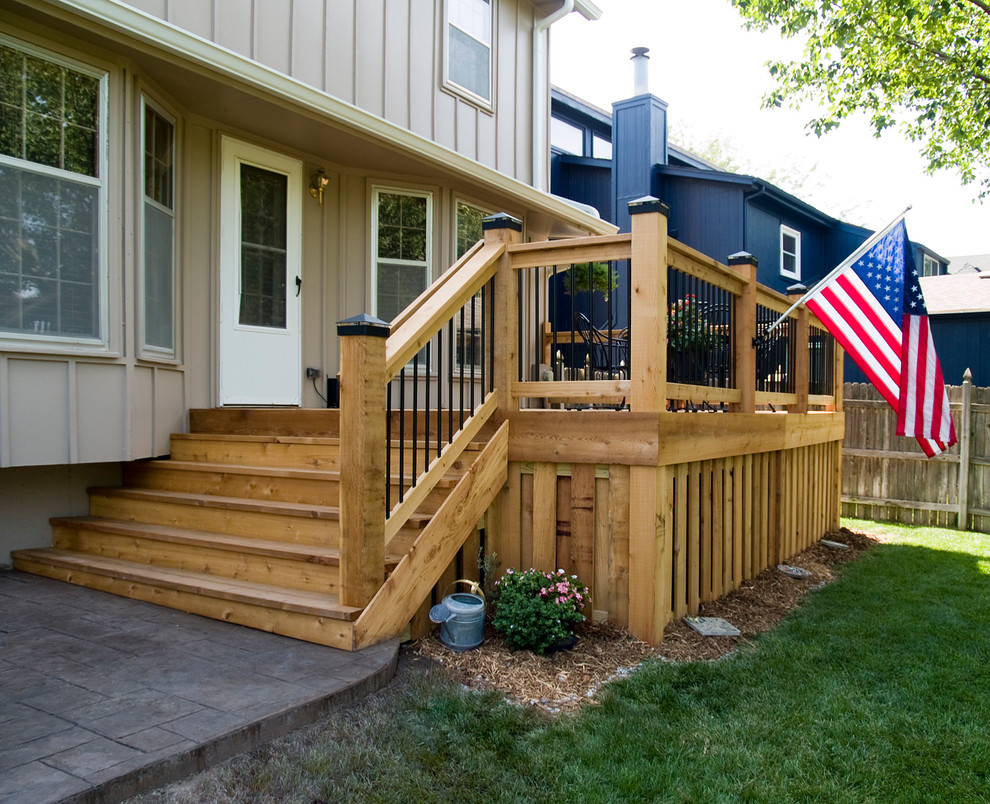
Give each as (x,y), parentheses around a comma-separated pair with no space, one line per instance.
(564,680)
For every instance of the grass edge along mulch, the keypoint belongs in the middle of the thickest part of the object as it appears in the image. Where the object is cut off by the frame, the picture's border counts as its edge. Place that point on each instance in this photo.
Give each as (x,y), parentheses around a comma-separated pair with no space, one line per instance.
(566,680)
(872,691)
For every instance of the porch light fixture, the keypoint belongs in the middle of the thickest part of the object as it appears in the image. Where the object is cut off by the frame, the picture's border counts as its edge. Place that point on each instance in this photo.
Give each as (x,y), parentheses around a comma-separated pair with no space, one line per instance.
(318,185)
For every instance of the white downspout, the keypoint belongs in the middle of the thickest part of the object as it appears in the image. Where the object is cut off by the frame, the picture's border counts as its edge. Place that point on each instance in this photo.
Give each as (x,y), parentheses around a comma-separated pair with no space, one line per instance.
(541,96)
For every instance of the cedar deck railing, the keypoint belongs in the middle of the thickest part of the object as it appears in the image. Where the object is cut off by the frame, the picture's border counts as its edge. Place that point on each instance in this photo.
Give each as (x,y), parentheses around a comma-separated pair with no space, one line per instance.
(658,510)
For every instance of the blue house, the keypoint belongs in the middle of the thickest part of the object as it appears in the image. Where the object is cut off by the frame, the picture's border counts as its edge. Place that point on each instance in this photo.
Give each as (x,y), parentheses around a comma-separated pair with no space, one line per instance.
(606,160)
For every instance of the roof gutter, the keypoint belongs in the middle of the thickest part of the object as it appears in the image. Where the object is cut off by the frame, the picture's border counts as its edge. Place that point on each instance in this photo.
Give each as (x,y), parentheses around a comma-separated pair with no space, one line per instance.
(215,60)
(541,85)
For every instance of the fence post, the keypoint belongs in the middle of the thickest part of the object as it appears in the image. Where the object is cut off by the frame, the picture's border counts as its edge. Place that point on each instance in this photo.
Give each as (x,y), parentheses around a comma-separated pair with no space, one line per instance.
(362,458)
(745,357)
(965,427)
(650,547)
(802,356)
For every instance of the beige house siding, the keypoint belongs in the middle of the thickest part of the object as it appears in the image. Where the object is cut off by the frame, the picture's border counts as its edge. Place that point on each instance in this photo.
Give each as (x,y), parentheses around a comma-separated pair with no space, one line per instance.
(386,57)
(68,413)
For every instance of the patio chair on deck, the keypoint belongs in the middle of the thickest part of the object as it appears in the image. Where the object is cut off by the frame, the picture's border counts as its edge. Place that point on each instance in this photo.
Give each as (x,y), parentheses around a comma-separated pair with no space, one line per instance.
(608,355)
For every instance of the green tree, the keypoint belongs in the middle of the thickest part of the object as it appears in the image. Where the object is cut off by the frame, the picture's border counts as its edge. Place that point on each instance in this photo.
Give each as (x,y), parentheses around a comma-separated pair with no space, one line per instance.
(921,65)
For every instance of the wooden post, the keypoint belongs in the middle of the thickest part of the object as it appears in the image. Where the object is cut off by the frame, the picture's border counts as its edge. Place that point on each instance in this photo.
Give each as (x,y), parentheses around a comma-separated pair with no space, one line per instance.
(502,526)
(965,428)
(802,355)
(362,458)
(503,228)
(650,502)
(745,265)
(838,394)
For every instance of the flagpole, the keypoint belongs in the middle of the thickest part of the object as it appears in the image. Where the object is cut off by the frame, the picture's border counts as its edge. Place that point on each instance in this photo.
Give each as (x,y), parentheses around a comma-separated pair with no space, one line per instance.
(859,252)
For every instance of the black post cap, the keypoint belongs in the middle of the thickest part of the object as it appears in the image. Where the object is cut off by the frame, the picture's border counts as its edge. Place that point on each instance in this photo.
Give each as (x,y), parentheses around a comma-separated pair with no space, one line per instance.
(743,258)
(648,204)
(363,324)
(501,220)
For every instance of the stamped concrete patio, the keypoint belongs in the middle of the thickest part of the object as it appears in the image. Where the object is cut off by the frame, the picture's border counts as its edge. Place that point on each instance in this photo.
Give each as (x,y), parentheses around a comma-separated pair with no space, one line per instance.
(102,697)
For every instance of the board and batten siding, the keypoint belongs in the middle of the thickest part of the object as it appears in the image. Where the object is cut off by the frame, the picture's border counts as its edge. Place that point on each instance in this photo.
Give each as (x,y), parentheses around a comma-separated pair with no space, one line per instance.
(386,57)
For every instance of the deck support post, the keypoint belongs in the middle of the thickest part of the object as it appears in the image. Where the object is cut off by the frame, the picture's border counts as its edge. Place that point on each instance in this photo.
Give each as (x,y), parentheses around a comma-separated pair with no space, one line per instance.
(650,500)
(802,355)
(362,458)
(503,228)
(745,363)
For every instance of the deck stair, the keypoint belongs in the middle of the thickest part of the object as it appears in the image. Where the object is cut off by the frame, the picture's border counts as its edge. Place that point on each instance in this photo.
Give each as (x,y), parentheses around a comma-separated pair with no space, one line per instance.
(241,524)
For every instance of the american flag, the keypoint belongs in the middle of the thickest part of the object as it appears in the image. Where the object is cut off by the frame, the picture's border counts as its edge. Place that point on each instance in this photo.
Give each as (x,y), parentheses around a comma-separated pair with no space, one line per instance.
(873,306)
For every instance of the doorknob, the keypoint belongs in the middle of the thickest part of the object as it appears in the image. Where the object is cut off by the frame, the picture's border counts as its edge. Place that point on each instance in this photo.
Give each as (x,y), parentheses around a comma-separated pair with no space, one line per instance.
(298,286)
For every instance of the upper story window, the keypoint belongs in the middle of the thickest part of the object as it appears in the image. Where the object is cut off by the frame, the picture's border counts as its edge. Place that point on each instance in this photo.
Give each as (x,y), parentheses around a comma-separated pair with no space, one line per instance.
(931,267)
(402,223)
(790,252)
(52,176)
(469,48)
(159,231)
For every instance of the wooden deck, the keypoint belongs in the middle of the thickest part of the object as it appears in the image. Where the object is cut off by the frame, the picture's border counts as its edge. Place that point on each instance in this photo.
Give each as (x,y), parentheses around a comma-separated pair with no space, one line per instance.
(343,527)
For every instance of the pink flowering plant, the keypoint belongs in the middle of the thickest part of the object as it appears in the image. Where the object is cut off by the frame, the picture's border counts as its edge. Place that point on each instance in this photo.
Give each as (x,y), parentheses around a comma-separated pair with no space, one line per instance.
(538,610)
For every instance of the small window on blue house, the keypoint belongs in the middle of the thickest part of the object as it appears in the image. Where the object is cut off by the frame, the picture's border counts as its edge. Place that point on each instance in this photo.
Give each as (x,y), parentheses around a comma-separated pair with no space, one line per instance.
(601,148)
(566,136)
(469,49)
(790,252)
(931,267)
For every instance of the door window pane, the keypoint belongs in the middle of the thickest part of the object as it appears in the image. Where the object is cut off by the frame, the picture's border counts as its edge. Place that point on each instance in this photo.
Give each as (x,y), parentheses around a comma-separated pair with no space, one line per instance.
(263,248)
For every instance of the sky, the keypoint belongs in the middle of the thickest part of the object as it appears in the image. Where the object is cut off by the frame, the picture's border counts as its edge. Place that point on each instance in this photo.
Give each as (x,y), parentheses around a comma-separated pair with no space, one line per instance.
(712,73)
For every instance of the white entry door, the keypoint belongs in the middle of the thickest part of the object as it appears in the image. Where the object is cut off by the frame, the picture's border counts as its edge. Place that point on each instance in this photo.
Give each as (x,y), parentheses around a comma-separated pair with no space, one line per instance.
(260,276)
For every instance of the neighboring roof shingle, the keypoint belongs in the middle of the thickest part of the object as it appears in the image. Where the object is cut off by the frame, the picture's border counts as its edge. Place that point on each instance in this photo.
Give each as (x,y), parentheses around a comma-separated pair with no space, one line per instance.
(956,293)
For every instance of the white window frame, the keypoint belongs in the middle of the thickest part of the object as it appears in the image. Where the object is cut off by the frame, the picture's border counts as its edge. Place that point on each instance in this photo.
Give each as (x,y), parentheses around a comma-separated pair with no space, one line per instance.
(787,231)
(376,191)
(35,341)
(930,266)
(150,350)
(487,104)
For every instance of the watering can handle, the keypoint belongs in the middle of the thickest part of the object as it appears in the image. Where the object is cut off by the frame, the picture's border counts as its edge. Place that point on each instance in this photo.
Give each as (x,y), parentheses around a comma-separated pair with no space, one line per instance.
(475,589)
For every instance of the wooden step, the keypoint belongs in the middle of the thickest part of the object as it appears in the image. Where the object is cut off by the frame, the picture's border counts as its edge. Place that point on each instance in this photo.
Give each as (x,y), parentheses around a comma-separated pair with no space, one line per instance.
(295,451)
(298,523)
(266,421)
(294,566)
(312,486)
(311,616)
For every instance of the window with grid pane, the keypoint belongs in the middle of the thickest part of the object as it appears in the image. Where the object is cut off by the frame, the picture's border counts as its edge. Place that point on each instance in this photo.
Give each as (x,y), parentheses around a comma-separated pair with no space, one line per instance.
(159,231)
(51,196)
(402,249)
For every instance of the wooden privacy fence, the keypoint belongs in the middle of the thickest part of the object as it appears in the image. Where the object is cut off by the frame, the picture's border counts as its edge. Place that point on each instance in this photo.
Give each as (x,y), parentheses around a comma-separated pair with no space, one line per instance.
(661,484)
(887,477)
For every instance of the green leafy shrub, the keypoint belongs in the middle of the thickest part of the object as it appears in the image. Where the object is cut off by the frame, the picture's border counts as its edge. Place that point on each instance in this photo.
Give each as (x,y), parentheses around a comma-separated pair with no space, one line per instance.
(538,610)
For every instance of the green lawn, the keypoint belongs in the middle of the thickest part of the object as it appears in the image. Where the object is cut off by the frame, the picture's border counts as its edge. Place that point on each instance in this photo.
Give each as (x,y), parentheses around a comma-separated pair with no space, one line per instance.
(876,690)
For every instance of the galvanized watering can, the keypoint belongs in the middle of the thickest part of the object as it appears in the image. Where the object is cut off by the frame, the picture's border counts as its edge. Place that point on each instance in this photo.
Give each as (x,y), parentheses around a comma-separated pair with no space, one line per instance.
(461,616)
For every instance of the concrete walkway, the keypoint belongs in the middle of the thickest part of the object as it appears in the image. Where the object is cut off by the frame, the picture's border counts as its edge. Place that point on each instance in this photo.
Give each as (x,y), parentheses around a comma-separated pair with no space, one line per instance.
(102,697)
